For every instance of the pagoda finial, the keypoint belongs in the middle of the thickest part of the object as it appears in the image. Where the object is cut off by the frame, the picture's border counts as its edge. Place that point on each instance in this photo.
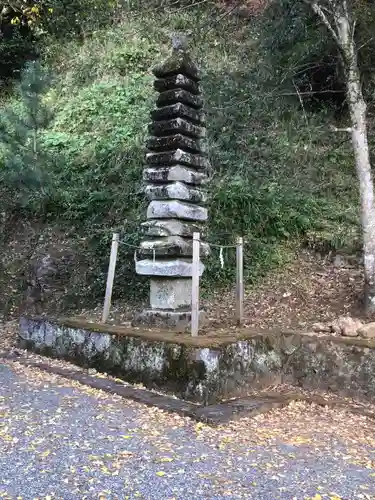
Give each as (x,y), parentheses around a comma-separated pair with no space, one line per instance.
(179,42)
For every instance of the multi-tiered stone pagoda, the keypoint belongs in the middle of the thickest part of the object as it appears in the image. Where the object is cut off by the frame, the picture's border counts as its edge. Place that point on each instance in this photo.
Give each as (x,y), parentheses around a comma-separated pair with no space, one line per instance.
(175,180)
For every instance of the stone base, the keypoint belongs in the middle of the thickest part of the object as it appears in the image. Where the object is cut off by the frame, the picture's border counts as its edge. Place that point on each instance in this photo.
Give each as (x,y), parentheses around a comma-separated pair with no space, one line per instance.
(170,294)
(178,320)
(208,368)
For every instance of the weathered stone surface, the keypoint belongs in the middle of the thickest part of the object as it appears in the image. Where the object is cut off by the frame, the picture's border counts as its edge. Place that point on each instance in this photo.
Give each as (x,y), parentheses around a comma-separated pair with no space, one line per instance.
(179,110)
(174,209)
(170,227)
(321,328)
(48,262)
(176,126)
(178,157)
(171,294)
(171,245)
(183,96)
(234,409)
(174,173)
(177,63)
(176,141)
(177,82)
(346,326)
(175,191)
(208,370)
(177,169)
(179,268)
(178,320)
(367,331)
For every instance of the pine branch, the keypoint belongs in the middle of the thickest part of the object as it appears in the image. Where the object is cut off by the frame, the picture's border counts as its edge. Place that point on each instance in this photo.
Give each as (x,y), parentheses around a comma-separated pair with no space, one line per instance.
(25,165)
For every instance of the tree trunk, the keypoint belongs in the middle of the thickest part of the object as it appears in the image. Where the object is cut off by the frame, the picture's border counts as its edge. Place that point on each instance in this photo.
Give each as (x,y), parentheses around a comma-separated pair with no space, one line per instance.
(357,109)
(366,186)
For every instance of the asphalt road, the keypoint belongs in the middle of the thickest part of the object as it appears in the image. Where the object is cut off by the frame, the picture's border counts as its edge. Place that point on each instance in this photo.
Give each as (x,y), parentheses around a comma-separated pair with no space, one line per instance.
(61,440)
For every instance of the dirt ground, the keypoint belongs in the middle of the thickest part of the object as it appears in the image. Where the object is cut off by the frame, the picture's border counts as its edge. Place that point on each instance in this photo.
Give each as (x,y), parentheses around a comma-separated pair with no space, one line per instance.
(308,290)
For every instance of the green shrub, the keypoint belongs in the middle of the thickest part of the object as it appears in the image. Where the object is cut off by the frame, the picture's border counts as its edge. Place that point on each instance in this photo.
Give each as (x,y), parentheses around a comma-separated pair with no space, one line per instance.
(26,166)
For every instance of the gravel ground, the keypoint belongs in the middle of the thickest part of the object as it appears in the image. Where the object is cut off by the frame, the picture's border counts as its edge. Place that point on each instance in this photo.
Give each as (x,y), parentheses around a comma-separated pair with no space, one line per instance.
(59,439)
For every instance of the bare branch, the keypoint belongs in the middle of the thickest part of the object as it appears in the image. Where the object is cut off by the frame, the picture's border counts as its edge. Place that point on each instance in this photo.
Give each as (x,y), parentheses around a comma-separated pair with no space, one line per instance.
(319,11)
(353,29)
(220,18)
(301,102)
(365,43)
(335,129)
(279,94)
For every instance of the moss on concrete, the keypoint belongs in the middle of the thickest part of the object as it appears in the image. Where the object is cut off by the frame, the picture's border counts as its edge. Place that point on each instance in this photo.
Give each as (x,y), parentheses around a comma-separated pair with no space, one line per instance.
(210,338)
(207,370)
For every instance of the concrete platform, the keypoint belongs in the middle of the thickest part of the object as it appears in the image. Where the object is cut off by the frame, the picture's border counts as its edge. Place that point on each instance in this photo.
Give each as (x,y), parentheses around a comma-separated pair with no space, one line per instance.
(208,369)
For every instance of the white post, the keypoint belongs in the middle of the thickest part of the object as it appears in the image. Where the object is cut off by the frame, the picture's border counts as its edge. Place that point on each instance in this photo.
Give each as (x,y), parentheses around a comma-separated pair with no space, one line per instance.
(239,281)
(110,277)
(195,286)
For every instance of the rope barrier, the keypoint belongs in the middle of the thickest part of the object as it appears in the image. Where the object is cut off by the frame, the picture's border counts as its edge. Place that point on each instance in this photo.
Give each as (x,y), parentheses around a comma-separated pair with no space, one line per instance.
(214,245)
(195,273)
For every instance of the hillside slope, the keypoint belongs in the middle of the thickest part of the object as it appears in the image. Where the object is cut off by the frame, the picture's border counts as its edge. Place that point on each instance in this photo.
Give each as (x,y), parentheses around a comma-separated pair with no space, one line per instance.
(280,178)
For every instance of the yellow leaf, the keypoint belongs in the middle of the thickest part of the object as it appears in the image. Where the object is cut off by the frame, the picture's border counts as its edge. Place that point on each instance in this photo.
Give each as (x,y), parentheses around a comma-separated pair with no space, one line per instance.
(300,440)
(160,473)
(317,497)
(166,459)
(126,437)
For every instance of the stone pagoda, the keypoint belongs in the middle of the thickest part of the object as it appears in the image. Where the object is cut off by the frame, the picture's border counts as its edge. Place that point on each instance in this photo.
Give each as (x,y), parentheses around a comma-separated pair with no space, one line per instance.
(175,178)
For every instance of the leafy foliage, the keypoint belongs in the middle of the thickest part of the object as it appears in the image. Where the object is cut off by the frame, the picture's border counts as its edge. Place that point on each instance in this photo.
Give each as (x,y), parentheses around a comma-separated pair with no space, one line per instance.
(25,163)
(280,175)
(25,25)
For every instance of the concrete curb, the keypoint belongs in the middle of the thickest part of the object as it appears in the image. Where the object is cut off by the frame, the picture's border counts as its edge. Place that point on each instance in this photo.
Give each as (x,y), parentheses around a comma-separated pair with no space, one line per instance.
(216,414)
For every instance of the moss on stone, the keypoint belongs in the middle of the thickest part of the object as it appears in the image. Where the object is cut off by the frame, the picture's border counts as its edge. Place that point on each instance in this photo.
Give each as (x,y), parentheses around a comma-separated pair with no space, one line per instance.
(179,62)
(210,371)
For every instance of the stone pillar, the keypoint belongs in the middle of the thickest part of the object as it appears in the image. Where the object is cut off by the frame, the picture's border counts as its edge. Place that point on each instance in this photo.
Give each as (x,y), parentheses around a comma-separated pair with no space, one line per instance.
(175,180)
